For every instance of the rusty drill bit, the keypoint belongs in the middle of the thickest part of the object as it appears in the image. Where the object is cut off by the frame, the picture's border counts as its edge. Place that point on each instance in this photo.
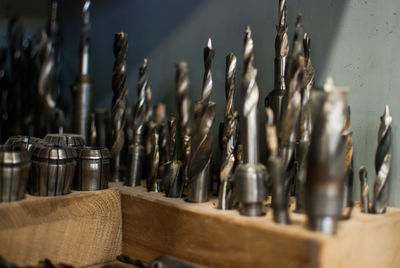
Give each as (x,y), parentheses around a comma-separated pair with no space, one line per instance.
(153,180)
(383,161)
(229,135)
(326,162)
(275,97)
(200,157)
(119,103)
(250,176)
(364,190)
(348,185)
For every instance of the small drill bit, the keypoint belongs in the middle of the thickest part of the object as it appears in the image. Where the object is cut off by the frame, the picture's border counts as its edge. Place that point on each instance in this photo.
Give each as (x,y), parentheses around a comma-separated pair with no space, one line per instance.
(280,200)
(250,176)
(274,99)
(364,190)
(201,151)
(326,162)
(348,185)
(229,135)
(383,162)
(153,180)
(162,129)
(119,103)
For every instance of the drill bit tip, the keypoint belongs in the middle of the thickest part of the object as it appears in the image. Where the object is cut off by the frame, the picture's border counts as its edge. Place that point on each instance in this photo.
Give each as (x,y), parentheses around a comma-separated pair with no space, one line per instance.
(269,116)
(209,43)
(329,85)
(86,6)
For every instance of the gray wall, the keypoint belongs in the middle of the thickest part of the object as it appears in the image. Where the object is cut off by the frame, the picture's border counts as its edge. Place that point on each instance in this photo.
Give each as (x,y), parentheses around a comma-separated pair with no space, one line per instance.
(353,41)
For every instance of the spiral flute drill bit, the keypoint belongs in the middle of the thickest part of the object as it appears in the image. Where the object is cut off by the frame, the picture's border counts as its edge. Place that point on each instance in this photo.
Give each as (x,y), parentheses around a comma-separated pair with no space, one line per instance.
(152,182)
(200,157)
(138,151)
(274,99)
(162,129)
(229,135)
(348,184)
(305,127)
(82,90)
(119,103)
(326,162)
(383,161)
(250,176)
(364,190)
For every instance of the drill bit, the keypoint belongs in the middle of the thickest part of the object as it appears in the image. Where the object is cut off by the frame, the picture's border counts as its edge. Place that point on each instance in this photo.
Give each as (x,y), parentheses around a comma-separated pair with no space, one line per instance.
(305,127)
(364,190)
(136,164)
(274,99)
(250,176)
(183,104)
(229,135)
(119,103)
(162,129)
(280,200)
(152,180)
(326,162)
(200,157)
(348,185)
(383,161)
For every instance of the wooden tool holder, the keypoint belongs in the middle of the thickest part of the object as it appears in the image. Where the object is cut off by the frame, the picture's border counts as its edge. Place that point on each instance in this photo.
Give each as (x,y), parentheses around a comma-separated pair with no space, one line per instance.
(89,228)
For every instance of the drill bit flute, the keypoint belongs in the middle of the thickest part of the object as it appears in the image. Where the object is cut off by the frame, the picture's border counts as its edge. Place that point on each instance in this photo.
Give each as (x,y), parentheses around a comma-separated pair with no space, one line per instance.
(383,161)
(230,128)
(274,99)
(348,185)
(200,157)
(364,190)
(250,176)
(82,90)
(119,103)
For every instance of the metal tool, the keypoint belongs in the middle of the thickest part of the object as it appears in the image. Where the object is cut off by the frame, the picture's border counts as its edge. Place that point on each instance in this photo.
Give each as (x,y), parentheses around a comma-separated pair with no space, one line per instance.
(173,171)
(82,90)
(383,162)
(305,127)
(66,139)
(162,130)
(93,169)
(250,177)
(53,169)
(364,190)
(92,134)
(274,99)
(14,172)
(326,161)
(348,184)
(152,182)
(183,105)
(103,126)
(200,157)
(119,104)
(230,135)
(26,142)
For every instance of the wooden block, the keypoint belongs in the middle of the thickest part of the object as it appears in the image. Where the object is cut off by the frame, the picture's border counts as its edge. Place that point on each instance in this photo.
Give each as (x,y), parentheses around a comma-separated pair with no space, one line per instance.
(81,229)
(154,225)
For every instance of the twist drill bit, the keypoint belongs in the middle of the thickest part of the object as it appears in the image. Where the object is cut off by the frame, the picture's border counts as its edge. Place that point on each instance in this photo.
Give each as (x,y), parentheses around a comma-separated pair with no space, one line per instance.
(326,162)
(229,135)
(173,173)
(348,185)
(305,127)
(82,90)
(152,181)
(274,99)
(383,161)
(183,104)
(162,129)
(280,200)
(364,190)
(149,124)
(250,176)
(119,103)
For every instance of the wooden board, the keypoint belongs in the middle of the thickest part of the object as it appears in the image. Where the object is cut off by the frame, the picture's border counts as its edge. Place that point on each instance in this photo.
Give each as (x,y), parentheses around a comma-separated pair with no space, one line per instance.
(81,229)
(154,225)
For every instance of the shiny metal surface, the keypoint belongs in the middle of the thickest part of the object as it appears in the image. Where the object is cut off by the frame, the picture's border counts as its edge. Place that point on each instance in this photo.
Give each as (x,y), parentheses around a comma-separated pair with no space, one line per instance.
(364,190)
(383,162)
(135,156)
(200,157)
(119,104)
(14,172)
(66,139)
(326,162)
(53,169)
(25,141)
(103,126)
(250,177)
(93,169)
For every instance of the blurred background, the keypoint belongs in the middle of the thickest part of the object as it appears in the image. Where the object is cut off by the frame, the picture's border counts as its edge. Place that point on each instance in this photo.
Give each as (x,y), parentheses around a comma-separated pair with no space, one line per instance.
(353,41)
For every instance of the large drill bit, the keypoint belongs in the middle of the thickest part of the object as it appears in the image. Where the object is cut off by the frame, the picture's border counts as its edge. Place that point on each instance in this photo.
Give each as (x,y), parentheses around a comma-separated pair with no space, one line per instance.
(383,161)
(364,190)
(326,162)
(119,103)
(348,185)
(82,90)
(200,157)
(250,176)
(229,135)
(137,151)
(275,97)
